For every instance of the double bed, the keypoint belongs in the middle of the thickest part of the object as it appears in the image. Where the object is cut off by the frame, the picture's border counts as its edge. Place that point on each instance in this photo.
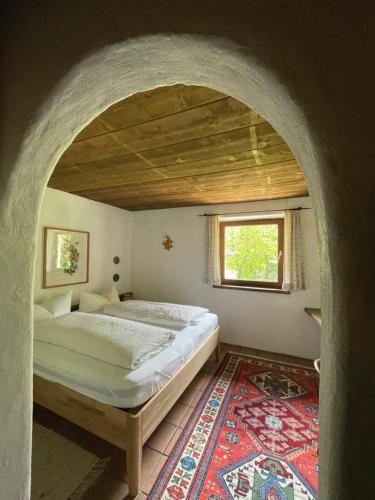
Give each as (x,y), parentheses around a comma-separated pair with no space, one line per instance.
(123,406)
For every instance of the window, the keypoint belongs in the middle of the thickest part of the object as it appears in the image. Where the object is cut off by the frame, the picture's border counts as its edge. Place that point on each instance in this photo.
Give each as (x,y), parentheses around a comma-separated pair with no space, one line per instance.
(251,253)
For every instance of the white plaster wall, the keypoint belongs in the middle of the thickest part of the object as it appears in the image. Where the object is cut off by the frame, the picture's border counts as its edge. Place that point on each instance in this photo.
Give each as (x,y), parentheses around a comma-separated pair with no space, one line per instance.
(110,231)
(269,321)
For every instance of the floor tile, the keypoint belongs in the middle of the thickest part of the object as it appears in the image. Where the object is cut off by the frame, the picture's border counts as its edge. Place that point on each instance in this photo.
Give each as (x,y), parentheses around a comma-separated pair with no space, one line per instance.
(206,379)
(195,400)
(141,496)
(211,368)
(173,441)
(176,414)
(188,395)
(161,437)
(226,347)
(149,459)
(249,351)
(294,360)
(267,355)
(206,368)
(285,358)
(109,488)
(117,465)
(215,365)
(308,363)
(196,383)
(146,488)
(186,417)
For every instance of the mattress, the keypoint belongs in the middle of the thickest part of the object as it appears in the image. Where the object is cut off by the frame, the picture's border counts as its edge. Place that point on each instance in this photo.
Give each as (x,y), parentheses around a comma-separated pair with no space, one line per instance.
(117,386)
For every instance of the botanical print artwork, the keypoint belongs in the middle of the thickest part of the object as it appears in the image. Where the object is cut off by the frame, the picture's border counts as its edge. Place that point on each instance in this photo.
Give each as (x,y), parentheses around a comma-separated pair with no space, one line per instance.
(253,435)
(66,257)
(69,254)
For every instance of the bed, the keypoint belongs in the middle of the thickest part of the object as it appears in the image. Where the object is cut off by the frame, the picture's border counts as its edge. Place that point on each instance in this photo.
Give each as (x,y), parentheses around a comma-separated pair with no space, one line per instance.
(119,405)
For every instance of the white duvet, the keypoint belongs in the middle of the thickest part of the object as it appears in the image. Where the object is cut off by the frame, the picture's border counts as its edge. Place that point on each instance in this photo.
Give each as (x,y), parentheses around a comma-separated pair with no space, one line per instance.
(158,313)
(122,343)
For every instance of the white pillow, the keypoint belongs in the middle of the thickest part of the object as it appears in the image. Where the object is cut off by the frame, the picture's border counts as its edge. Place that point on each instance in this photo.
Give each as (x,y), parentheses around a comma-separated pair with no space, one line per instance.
(111,294)
(59,305)
(91,302)
(41,314)
(157,313)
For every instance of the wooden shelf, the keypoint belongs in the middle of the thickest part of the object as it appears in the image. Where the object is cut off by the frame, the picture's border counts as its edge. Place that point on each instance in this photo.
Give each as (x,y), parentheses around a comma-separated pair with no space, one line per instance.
(315,314)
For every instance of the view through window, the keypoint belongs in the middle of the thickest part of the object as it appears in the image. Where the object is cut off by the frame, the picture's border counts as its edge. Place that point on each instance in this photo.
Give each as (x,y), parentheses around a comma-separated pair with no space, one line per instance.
(251,253)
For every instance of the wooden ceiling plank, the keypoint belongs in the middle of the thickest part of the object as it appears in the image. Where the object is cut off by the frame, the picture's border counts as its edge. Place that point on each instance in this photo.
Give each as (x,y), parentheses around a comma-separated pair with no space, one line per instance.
(177,146)
(122,164)
(72,177)
(247,192)
(211,179)
(118,174)
(245,187)
(97,148)
(144,204)
(235,141)
(216,146)
(163,101)
(136,160)
(175,203)
(235,161)
(95,128)
(70,184)
(213,118)
(203,198)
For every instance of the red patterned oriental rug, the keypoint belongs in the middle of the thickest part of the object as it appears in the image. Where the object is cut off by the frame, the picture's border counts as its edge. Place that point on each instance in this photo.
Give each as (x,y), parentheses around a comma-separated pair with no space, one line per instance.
(253,435)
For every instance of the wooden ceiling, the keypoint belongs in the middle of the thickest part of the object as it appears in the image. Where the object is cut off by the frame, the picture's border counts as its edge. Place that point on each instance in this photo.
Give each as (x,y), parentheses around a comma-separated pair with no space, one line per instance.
(178,146)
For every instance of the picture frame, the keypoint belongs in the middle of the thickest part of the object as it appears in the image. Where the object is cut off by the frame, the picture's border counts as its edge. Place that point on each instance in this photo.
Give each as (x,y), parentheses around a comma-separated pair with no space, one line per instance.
(66,257)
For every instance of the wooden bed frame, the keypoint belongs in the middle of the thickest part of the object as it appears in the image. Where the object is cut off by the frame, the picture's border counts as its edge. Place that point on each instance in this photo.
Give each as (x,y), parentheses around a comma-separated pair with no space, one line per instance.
(127,429)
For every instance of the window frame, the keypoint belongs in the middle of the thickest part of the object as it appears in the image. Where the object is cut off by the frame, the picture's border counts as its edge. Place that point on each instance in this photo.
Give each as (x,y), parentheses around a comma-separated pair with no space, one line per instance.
(254,284)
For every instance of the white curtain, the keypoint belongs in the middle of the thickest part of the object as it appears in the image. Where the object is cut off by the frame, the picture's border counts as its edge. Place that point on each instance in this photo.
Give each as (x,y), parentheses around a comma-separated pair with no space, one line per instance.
(294,274)
(212,257)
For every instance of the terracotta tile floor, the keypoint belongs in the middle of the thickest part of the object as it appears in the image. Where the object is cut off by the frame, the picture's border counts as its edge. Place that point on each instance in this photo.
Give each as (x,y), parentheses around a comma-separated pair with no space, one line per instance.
(111,485)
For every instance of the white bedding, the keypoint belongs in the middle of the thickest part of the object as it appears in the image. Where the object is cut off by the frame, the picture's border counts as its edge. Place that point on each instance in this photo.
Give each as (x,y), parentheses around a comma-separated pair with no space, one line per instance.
(157,313)
(122,343)
(117,386)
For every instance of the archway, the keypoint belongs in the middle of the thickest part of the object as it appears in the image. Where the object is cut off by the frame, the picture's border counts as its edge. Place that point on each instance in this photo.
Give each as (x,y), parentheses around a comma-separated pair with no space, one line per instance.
(93,85)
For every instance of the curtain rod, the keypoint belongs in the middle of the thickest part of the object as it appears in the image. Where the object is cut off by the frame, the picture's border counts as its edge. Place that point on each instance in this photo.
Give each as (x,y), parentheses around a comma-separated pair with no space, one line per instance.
(257,211)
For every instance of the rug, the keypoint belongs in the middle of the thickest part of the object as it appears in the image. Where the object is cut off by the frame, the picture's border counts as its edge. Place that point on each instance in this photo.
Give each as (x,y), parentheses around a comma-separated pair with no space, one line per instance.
(253,435)
(61,469)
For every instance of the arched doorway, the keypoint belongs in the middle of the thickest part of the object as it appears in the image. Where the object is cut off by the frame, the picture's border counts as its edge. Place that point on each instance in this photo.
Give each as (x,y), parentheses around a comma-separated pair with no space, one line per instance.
(90,87)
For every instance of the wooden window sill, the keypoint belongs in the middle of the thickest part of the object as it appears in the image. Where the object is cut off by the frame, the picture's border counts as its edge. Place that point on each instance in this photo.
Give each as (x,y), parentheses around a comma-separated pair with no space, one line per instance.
(252,289)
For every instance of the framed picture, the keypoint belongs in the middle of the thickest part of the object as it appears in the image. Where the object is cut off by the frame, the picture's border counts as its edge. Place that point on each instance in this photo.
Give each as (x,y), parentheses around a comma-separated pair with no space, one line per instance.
(66,257)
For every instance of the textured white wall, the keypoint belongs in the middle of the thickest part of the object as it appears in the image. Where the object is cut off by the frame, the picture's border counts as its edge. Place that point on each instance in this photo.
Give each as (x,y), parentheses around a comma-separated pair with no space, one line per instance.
(110,231)
(269,321)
